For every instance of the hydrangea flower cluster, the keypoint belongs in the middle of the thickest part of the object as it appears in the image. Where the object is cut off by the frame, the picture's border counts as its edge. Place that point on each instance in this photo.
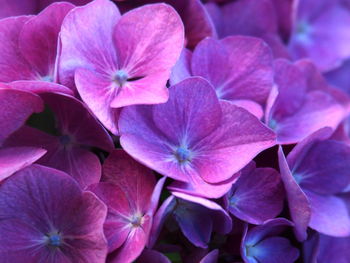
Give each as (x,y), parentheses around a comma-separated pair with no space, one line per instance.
(175,131)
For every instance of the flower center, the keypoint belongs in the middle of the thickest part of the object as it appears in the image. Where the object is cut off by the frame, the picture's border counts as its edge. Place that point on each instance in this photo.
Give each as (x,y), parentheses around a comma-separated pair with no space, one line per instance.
(65,139)
(47,78)
(120,77)
(136,220)
(54,239)
(182,154)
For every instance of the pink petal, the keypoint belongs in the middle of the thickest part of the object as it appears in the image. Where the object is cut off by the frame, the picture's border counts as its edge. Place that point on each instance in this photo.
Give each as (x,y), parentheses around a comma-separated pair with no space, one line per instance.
(13,159)
(18,106)
(86,37)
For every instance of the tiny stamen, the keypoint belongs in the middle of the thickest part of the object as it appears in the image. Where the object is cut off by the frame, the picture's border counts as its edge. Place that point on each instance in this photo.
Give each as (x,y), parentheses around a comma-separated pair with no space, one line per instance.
(120,77)
(182,154)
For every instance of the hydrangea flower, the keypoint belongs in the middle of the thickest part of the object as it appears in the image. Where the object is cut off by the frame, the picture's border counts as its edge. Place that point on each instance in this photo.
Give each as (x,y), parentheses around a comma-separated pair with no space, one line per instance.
(313,189)
(239,68)
(263,243)
(193,137)
(119,60)
(17,106)
(29,48)
(256,196)
(54,221)
(319,25)
(131,194)
(302,102)
(68,149)
(197,218)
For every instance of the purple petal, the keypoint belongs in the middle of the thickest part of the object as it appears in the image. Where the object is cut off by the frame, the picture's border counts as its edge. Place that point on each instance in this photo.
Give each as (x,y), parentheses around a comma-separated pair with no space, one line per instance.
(159,219)
(331,250)
(298,203)
(318,26)
(211,257)
(329,215)
(222,221)
(316,167)
(247,17)
(41,202)
(182,68)
(261,243)
(256,196)
(134,244)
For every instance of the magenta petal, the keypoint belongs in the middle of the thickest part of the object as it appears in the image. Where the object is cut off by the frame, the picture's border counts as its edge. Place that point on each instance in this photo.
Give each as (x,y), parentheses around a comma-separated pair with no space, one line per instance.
(82,165)
(329,215)
(39,87)
(298,203)
(251,106)
(117,226)
(13,159)
(203,189)
(134,244)
(38,38)
(80,45)
(256,196)
(137,181)
(98,100)
(71,115)
(238,67)
(12,64)
(245,138)
(147,51)
(42,202)
(17,107)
